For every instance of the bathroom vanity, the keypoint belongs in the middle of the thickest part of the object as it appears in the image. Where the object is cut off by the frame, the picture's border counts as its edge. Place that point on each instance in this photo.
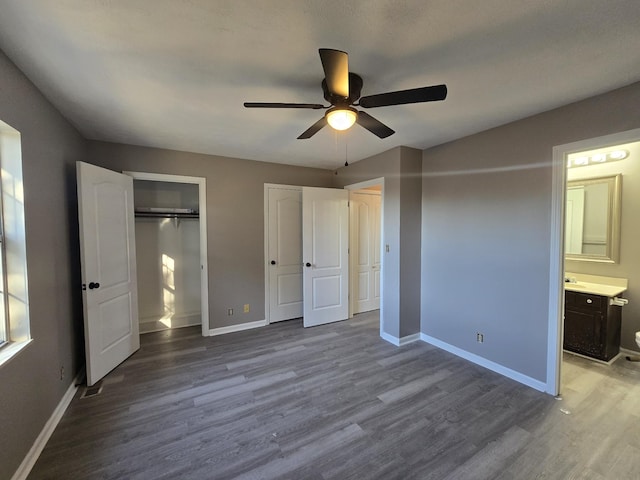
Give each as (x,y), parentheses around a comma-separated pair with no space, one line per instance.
(593,315)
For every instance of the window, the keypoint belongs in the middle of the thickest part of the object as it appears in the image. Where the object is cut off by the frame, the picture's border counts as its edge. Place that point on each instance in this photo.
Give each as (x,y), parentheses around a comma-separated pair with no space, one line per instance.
(14,301)
(4,318)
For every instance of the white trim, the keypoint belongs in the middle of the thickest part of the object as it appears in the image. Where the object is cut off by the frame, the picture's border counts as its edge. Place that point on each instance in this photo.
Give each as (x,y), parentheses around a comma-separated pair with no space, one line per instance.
(556,254)
(354,249)
(359,186)
(556,273)
(202,223)
(390,338)
(237,328)
(410,339)
(483,362)
(626,351)
(10,351)
(41,441)
(399,342)
(596,360)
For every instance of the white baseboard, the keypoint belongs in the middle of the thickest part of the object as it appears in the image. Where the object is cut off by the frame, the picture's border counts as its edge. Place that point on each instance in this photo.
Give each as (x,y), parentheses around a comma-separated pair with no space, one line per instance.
(631,353)
(483,362)
(159,324)
(36,449)
(398,342)
(237,328)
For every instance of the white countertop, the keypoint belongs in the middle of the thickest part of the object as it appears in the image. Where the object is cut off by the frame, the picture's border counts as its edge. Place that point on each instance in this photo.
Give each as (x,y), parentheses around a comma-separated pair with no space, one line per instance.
(596,285)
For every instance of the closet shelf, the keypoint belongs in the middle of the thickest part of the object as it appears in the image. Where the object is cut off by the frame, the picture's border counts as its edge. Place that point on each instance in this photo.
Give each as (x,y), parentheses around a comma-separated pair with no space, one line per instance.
(178,213)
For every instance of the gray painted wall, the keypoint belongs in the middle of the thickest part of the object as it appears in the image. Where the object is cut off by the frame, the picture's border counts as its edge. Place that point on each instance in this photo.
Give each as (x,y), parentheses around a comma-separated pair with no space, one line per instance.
(486,209)
(30,384)
(410,236)
(400,169)
(629,265)
(235,216)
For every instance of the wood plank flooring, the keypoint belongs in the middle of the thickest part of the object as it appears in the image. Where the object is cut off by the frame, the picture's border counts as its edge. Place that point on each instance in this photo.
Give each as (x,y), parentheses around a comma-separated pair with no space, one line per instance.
(338,402)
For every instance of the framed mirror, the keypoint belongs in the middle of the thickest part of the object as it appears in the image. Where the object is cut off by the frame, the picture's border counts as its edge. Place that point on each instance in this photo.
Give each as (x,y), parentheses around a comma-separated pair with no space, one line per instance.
(592,219)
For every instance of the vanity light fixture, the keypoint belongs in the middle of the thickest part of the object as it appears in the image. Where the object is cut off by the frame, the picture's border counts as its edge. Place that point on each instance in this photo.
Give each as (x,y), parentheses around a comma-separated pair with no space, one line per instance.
(619,154)
(596,158)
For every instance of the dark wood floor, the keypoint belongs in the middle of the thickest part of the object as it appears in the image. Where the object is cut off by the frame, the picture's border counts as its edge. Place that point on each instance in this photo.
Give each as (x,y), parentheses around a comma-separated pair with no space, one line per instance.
(337,402)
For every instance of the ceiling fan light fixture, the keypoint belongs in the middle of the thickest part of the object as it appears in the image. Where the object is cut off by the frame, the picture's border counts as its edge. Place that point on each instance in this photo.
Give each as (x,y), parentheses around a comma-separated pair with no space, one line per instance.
(341,118)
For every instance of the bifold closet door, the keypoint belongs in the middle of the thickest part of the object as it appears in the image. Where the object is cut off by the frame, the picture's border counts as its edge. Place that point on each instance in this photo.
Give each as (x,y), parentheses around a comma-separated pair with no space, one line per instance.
(325,253)
(285,253)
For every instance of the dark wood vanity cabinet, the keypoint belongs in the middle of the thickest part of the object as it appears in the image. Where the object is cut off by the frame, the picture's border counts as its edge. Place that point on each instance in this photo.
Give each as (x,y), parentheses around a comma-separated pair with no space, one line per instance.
(591,325)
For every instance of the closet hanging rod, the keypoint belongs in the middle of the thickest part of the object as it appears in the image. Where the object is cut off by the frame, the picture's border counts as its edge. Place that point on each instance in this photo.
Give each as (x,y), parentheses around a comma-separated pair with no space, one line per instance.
(166,212)
(166,215)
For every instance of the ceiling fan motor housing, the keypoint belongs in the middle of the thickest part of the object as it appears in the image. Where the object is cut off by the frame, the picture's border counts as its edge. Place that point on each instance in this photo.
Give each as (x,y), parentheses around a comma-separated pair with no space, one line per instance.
(355,87)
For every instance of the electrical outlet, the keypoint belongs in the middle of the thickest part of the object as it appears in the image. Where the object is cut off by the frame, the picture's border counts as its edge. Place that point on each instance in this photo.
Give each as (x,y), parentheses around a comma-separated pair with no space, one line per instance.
(480,337)
(230,311)
(246,308)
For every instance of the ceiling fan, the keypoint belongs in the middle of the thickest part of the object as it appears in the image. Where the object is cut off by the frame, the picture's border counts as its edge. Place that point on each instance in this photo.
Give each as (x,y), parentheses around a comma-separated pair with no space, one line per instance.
(342,89)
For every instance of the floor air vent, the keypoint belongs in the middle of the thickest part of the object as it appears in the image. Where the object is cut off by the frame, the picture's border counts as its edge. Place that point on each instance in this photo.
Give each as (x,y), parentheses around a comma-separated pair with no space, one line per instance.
(92,391)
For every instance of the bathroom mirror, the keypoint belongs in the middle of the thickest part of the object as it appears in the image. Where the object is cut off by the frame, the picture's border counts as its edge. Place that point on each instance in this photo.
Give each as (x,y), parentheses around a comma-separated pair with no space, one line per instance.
(592,219)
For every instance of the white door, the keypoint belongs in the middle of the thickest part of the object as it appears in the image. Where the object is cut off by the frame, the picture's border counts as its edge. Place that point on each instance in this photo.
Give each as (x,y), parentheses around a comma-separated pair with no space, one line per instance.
(365,250)
(107,250)
(284,253)
(325,252)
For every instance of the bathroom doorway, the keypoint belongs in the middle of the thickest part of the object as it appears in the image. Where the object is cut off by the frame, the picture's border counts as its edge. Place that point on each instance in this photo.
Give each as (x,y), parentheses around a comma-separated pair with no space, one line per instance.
(577,167)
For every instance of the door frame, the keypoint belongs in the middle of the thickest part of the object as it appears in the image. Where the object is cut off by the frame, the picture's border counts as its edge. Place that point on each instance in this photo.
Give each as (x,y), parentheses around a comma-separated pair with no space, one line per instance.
(359,186)
(556,264)
(202,221)
(354,249)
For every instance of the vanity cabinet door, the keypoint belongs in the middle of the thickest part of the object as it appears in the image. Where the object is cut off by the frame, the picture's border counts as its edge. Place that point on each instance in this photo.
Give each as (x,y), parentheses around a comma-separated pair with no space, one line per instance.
(583,332)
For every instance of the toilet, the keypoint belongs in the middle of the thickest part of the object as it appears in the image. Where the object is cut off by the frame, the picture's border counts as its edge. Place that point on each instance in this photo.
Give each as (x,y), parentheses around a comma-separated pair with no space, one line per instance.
(636,358)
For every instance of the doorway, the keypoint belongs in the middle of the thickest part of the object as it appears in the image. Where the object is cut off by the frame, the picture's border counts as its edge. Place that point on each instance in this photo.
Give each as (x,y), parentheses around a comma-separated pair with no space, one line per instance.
(170,225)
(284,266)
(559,236)
(365,249)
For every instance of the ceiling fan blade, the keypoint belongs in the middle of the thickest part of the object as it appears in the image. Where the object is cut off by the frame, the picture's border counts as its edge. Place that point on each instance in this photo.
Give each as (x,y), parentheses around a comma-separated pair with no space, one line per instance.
(401,97)
(373,125)
(314,106)
(313,129)
(335,64)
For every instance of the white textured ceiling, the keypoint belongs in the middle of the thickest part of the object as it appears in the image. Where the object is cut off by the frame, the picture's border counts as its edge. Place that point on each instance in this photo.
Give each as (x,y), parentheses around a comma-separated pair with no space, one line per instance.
(174,73)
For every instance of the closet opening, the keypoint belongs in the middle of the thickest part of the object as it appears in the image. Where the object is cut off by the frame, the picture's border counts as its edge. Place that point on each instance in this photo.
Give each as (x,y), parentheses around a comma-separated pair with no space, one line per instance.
(171,257)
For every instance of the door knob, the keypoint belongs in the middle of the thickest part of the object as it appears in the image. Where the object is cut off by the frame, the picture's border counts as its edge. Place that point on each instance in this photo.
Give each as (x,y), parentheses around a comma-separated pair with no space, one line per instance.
(93,285)
(273,262)
(308,264)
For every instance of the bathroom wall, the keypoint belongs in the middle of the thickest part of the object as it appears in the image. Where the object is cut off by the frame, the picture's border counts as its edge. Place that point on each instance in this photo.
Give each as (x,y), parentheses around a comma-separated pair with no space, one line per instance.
(486,217)
(629,265)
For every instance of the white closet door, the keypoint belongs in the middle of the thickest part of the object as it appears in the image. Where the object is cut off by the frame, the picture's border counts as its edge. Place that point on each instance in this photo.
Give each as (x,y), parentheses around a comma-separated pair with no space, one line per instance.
(108,256)
(325,251)
(365,251)
(285,253)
